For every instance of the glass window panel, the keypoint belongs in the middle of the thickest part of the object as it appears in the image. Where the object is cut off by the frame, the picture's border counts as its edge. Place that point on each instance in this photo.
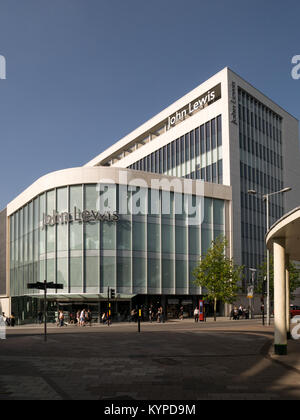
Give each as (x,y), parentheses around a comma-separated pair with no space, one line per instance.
(181,239)
(218,212)
(167,238)
(181,274)
(51,270)
(62,200)
(139,236)
(208,208)
(76,274)
(139,273)
(91,236)
(202,140)
(108,236)
(62,273)
(213,134)
(76,197)
(206,240)
(168,274)
(108,272)
(153,237)
(41,271)
(194,241)
(124,273)
(154,274)
(124,234)
(92,272)
(62,237)
(182,149)
(76,236)
(207,130)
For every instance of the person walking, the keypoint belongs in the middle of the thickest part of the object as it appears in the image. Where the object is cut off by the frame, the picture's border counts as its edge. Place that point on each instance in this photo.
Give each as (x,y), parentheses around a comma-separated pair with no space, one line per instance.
(82,318)
(12,320)
(89,317)
(40,317)
(181,313)
(78,318)
(196,314)
(61,318)
(235,313)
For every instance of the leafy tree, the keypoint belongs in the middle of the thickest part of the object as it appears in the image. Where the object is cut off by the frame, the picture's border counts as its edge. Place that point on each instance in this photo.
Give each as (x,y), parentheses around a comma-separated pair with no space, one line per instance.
(262,274)
(218,274)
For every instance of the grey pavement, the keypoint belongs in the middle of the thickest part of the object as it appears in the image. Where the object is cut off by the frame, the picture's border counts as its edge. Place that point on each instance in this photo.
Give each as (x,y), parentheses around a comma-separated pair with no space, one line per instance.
(173,361)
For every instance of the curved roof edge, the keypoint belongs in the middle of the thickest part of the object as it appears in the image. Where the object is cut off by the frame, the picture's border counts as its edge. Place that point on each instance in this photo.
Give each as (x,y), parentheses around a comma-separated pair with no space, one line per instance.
(114,175)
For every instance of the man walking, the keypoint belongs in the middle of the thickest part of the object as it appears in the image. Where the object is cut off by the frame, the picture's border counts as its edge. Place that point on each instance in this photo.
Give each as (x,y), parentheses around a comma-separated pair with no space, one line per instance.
(196,314)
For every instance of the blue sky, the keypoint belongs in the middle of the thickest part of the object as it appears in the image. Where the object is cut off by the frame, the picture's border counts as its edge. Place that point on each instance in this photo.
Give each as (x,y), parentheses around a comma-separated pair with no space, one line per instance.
(81,74)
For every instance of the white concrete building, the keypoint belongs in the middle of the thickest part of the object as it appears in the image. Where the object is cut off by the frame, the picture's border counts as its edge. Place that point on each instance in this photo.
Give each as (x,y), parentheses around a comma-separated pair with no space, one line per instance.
(224,131)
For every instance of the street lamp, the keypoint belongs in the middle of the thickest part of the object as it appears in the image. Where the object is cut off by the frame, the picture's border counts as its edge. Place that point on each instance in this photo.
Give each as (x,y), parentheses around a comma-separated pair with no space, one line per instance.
(266,198)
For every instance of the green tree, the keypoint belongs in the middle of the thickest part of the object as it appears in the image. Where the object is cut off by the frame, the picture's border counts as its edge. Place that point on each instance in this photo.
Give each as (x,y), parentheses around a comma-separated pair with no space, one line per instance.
(262,274)
(218,274)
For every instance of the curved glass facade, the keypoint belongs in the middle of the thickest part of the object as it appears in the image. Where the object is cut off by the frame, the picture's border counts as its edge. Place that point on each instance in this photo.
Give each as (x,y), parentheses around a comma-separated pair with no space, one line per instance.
(134,253)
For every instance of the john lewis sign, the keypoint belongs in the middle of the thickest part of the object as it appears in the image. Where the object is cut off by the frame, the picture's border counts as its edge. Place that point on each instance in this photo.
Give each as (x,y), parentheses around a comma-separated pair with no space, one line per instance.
(203,101)
(86,216)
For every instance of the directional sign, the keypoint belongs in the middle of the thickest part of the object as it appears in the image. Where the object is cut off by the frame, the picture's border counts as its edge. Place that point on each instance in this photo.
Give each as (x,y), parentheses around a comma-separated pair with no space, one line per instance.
(41,286)
(250,292)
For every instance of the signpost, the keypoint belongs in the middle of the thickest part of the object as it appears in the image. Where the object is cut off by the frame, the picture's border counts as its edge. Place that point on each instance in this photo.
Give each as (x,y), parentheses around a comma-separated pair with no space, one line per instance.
(45,286)
(139,320)
(111,294)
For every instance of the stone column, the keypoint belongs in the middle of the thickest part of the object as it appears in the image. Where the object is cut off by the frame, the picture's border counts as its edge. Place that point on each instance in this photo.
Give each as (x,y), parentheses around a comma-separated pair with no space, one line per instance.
(280,342)
(287,280)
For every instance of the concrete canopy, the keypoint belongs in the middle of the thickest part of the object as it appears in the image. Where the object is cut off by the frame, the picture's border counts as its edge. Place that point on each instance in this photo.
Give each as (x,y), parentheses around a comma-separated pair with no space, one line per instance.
(284,239)
(287,229)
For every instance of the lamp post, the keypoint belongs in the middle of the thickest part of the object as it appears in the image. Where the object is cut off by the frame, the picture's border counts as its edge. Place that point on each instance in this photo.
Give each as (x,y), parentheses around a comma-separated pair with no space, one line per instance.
(266,198)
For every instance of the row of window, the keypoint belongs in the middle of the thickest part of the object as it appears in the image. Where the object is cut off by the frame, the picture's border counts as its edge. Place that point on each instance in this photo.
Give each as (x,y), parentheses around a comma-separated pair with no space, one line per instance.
(198,142)
(93,275)
(260,117)
(251,231)
(211,173)
(258,205)
(251,260)
(260,151)
(257,177)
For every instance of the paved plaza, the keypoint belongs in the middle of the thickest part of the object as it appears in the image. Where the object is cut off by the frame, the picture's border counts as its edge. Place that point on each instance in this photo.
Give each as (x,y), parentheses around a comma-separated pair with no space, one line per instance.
(177,360)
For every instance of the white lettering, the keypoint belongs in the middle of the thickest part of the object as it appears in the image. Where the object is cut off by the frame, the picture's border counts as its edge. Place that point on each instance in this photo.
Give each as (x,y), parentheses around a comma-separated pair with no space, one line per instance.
(296,69)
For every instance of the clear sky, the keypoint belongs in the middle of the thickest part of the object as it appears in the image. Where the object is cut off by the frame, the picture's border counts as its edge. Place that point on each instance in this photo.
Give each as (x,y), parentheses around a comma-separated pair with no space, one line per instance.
(81,74)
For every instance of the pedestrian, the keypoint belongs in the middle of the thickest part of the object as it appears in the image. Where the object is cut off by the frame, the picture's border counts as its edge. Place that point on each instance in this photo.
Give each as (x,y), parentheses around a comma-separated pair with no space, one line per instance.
(7,319)
(40,317)
(181,313)
(78,318)
(12,320)
(196,314)
(151,313)
(103,318)
(82,318)
(235,313)
(89,317)
(133,315)
(61,318)
(247,313)
(241,312)
(2,328)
